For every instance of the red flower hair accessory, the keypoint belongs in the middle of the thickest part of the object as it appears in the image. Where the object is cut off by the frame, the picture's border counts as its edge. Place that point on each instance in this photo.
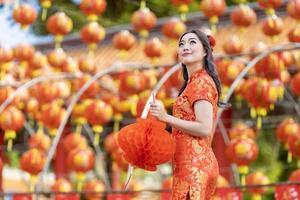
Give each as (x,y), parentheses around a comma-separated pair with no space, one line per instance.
(212,41)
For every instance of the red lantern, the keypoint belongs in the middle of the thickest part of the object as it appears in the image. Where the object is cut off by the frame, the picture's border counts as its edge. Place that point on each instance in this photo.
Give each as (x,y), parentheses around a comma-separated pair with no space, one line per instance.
(213,9)
(96,187)
(59,25)
(63,185)
(91,92)
(182,7)
(87,65)
(78,113)
(37,62)
(242,152)
(69,66)
(91,34)
(257,178)
(241,130)
(294,144)
(6,56)
(294,34)
(45,92)
(286,128)
(11,120)
(295,84)
(32,161)
(40,141)
(243,16)
(118,157)
(295,176)
(98,113)
(51,116)
(153,48)
(173,28)
(132,82)
(32,108)
(293,9)
(143,20)
(93,8)
(24,52)
(123,41)
(56,58)
(73,141)
(233,45)
(110,142)
(146,143)
(228,70)
(272,26)
(269,5)
(25,14)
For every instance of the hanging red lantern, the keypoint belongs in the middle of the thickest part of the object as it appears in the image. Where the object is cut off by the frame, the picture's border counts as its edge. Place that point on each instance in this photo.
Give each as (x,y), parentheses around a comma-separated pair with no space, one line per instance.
(294,34)
(87,65)
(182,7)
(294,144)
(272,26)
(132,82)
(173,29)
(46,4)
(59,25)
(243,16)
(33,161)
(241,130)
(93,8)
(295,176)
(69,66)
(233,45)
(96,187)
(63,185)
(257,178)
(37,62)
(98,113)
(242,152)
(270,5)
(295,84)
(40,141)
(78,112)
(73,141)
(153,48)
(24,52)
(51,116)
(213,9)
(123,41)
(32,108)
(81,160)
(91,34)
(91,92)
(118,158)
(11,121)
(293,9)
(25,15)
(45,92)
(110,142)
(143,21)
(228,70)
(6,56)
(146,143)
(56,58)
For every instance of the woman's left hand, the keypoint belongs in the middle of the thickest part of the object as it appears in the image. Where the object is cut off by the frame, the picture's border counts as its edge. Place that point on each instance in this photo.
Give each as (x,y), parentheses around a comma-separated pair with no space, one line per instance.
(156,110)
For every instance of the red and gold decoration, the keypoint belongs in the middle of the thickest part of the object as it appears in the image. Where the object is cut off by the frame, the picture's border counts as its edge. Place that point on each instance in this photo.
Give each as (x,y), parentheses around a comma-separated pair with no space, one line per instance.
(173,29)
(294,34)
(95,187)
(59,25)
(24,53)
(143,20)
(98,113)
(213,9)
(93,8)
(243,16)
(228,70)
(153,49)
(63,185)
(293,9)
(56,58)
(272,26)
(270,5)
(40,141)
(242,151)
(182,7)
(25,15)
(6,56)
(37,63)
(73,141)
(146,143)
(295,84)
(241,130)
(11,121)
(87,65)
(294,145)
(91,34)
(123,41)
(81,160)
(257,178)
(233,45)
(33,161)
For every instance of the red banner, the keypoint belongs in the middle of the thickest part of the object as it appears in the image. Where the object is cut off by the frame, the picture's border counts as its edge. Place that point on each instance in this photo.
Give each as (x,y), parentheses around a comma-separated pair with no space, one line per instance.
(228,194)
(287,192)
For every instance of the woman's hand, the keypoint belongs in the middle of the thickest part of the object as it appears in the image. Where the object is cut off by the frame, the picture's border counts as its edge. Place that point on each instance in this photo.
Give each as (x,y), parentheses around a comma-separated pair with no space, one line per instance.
(156,110)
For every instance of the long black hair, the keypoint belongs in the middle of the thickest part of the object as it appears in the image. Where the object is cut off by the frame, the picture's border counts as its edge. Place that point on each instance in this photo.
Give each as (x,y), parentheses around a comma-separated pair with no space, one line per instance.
(209,65)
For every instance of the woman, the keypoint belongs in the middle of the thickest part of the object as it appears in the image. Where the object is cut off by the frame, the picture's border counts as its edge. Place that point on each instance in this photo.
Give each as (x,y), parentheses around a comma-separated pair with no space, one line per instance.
(195,168)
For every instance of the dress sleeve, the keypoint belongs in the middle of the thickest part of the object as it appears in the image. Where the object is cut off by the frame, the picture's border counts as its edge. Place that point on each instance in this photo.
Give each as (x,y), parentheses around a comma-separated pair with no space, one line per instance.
(202,88)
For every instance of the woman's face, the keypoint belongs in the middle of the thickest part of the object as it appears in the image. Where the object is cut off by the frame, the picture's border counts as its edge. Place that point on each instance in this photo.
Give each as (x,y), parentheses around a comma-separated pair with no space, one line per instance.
(190,49)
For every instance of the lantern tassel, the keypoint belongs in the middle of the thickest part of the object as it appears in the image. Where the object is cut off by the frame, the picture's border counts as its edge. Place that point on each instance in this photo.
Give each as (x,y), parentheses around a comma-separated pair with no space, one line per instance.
(97,130)
(44,14)
(256,197)
(118,118)
(33,180)
(259,122)
(289,157)
(9,135)
(9,145)
(80,177)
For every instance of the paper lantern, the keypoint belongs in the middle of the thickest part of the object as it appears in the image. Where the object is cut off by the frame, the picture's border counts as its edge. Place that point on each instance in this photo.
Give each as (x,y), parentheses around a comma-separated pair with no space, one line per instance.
(93,8)
(25,14)
(143,21)
(91,34)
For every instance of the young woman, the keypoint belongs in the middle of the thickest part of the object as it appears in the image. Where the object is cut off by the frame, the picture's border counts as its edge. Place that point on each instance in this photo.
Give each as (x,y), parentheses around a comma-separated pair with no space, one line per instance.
(195,168)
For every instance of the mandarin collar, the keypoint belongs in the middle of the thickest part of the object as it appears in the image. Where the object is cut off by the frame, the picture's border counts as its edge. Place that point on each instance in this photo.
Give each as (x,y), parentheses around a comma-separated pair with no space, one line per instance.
(195,74)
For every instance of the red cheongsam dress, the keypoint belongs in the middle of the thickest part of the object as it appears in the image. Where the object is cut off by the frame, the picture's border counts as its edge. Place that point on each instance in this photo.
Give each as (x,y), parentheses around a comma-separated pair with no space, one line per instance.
(195,168)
